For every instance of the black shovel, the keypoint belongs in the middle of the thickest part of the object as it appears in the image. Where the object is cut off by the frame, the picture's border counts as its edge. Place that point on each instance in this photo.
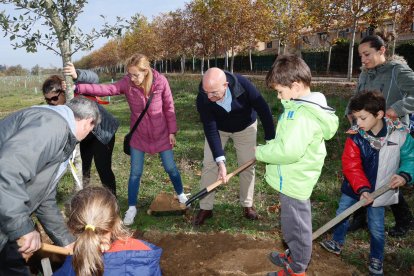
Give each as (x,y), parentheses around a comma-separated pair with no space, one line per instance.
(211,187)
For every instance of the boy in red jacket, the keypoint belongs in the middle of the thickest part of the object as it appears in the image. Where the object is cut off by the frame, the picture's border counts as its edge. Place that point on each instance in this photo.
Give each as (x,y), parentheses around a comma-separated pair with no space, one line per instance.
(379,152)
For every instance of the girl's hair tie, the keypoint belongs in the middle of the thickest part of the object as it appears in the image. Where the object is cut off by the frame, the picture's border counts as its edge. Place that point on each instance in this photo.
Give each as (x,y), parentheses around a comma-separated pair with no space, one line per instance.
(89,226)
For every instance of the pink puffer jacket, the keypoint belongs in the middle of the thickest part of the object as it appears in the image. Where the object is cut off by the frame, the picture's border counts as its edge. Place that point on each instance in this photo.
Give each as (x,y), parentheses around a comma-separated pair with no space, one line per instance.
(152,134)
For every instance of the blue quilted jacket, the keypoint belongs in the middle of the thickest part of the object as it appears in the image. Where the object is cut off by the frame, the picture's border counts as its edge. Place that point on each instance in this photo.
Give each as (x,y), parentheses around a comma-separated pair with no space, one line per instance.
(124,262)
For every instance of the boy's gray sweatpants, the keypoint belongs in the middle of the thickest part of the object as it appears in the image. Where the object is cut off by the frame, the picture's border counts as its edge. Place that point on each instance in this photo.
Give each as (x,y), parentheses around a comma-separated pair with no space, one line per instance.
(296,220)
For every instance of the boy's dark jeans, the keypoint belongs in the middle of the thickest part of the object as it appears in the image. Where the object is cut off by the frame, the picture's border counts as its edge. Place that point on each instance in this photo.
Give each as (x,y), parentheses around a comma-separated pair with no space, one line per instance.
(12,262)
(401,211)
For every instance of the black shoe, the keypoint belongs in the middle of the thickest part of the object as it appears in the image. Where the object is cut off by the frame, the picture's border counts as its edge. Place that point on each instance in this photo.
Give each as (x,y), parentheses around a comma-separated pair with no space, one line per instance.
(401,230)
(250,213)
(202,216)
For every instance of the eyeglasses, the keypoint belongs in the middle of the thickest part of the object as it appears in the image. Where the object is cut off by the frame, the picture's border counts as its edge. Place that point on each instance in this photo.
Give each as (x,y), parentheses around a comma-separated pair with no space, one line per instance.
(213,94)
(217,93)
(54,98)
(133,76)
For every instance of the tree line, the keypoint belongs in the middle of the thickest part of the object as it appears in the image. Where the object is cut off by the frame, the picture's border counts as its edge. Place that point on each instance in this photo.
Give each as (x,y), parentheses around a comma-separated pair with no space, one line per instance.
(206,29)
(202,30)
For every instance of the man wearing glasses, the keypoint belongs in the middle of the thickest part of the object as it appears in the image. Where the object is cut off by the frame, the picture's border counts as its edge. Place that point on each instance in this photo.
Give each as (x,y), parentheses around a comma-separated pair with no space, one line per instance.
(35,145)
(228,106)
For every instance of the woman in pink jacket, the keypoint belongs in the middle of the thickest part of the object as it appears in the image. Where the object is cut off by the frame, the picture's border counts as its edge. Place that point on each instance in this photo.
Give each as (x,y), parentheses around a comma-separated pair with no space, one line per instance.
(156,131)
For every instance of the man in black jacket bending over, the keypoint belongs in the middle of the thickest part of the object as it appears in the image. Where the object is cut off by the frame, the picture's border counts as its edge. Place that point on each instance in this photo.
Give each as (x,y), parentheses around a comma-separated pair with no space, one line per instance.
(228,105)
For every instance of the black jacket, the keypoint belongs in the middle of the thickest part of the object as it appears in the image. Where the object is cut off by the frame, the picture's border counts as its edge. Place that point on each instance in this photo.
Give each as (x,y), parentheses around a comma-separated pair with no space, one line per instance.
(109,124)
(247,102)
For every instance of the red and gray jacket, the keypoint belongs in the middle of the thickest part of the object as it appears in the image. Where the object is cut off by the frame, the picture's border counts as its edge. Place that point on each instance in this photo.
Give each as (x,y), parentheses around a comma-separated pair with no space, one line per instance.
(367,169)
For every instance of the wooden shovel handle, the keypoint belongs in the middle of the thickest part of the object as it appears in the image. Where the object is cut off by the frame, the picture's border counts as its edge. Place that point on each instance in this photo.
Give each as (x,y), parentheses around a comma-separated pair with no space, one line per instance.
(55,249)
(50,248)
(348,212)
(230,175)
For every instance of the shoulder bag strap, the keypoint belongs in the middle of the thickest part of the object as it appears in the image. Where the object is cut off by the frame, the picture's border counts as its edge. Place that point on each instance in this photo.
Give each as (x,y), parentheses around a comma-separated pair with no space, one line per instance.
(142,114)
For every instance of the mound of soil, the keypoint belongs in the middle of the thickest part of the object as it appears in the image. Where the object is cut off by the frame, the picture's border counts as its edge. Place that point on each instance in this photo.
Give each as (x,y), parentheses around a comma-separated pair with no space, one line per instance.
(225,254)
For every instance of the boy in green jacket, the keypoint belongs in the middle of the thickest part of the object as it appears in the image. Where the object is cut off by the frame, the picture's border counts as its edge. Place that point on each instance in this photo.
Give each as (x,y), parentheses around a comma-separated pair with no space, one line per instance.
(296,156)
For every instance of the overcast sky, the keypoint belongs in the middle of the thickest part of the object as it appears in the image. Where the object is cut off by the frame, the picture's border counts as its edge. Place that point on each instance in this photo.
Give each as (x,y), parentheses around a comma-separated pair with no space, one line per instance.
(87,20)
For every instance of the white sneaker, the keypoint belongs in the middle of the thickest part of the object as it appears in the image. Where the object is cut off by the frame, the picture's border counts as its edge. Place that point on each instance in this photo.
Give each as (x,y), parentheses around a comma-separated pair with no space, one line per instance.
(130,216)
(182,198)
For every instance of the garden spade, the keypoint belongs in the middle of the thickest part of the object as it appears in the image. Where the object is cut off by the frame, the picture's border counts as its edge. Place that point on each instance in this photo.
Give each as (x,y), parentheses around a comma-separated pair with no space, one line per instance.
(348,212)
(211,187)
(166,202)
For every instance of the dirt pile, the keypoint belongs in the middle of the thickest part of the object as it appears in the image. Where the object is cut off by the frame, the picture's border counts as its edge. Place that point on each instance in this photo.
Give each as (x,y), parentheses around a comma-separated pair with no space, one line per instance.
(226,254)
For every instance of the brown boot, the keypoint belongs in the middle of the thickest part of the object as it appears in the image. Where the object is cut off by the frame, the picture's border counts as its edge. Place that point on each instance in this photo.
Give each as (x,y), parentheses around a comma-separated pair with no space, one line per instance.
(202,216)
(250,213)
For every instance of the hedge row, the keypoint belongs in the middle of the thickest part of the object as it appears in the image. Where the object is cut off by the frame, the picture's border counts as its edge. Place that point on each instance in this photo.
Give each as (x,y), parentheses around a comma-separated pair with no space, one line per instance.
(317,61)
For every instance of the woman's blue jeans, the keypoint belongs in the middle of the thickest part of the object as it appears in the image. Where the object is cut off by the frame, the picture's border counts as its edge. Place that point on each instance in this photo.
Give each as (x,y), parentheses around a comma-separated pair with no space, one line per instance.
(137,167)
(375,226)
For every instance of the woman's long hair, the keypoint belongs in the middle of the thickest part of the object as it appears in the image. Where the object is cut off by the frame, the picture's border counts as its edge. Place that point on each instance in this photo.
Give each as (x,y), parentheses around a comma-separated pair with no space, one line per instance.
(142,62)
(94,213)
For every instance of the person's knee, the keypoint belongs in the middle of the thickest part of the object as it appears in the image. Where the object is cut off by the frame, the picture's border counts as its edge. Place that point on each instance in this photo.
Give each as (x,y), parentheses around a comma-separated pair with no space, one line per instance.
(135,174)
(377,230)
(172,170)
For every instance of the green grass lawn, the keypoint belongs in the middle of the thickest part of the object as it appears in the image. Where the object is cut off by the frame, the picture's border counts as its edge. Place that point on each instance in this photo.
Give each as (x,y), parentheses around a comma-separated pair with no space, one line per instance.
(399,256)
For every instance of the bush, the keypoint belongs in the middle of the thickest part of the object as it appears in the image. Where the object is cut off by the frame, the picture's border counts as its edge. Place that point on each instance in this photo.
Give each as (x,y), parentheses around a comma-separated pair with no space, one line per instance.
(406,50)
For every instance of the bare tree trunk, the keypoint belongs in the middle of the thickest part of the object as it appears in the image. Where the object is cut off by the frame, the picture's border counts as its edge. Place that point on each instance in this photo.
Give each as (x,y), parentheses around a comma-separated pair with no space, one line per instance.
(202,66)
(182,64)
(250,59)
(299,45)
(232,60)
(351,51)
(208,62)
(76,165)
(193,63)
(394,43)
(65,49)
(278,46)
(226,60)
(328,65)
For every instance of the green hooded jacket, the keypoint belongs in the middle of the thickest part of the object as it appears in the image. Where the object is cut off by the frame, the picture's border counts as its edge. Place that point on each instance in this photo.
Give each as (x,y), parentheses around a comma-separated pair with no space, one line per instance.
(296,156)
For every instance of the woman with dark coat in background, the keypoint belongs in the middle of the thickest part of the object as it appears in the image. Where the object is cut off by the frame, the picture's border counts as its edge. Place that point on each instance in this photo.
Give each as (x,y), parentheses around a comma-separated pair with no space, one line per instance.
(395,79)
(99,144)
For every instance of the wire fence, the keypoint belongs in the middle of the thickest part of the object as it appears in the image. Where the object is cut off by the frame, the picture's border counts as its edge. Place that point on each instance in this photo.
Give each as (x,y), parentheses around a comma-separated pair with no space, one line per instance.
(21,84)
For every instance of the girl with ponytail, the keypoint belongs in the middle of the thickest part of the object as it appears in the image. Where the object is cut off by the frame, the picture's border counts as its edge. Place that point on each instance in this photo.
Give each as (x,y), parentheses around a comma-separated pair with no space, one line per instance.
(103,244)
